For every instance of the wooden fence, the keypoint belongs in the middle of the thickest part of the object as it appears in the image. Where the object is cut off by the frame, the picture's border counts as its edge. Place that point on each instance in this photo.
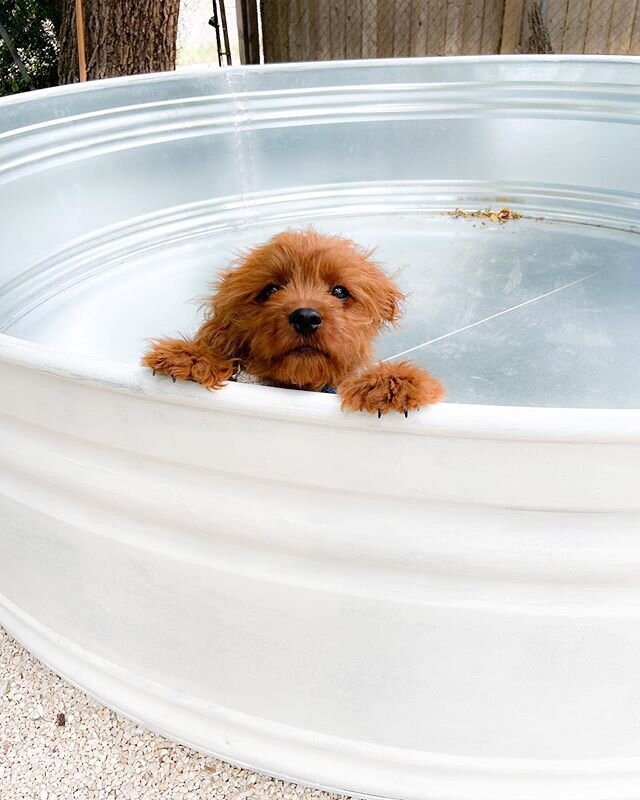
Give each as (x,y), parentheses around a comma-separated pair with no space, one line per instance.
(573,26)
(318,30)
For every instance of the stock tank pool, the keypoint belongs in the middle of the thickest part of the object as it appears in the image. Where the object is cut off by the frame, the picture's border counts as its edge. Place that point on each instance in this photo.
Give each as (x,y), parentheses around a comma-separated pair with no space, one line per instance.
(440,608)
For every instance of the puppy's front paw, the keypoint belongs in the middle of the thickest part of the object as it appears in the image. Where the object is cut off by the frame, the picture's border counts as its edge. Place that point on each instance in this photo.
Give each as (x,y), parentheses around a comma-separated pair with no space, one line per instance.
(399,387)
(185,360)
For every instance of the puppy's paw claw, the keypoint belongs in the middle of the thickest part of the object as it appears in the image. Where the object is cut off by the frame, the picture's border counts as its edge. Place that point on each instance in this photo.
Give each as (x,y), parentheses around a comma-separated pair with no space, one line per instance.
(399,387)
(184,360)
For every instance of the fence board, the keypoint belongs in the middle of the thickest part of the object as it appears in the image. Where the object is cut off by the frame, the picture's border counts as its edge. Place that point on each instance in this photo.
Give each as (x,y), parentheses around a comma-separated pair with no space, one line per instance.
(634,47)
(384,29)
(298,32)
(354,28)
(556,21)
(419,17)
(575,30)
(402,29)
(472,26)
(269,31)
(492,26)
(248,34)
(337,20)
(320,29)
(454,26)
(621,28)
(369,28)
(598,27)
(437,28)
(512,26)
(316,50)
(275,26)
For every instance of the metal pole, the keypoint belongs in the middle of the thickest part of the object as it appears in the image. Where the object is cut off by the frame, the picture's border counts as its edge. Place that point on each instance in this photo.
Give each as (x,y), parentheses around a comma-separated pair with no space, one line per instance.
(215,24)
(225,32)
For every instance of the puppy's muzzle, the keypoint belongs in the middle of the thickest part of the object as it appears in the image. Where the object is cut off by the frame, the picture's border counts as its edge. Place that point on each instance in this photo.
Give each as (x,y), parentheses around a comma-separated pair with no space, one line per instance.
(305,321)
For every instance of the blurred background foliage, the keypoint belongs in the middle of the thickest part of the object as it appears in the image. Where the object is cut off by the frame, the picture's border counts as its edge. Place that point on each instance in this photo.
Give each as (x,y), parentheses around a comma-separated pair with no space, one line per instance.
(32,27)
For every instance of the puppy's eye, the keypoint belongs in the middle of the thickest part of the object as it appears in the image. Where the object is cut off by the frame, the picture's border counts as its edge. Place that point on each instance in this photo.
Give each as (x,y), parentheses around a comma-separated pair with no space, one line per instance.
(268,290)
(340,292)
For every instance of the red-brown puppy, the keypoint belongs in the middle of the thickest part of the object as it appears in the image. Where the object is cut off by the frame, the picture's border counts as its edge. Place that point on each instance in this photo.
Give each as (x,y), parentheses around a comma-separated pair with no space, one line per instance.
(301,311)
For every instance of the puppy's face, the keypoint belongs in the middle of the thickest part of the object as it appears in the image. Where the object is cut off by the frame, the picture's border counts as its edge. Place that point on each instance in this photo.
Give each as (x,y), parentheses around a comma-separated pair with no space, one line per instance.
(303,309)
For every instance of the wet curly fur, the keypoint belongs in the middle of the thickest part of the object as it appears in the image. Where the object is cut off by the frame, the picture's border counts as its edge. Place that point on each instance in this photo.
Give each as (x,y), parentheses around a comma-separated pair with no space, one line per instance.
(250,328)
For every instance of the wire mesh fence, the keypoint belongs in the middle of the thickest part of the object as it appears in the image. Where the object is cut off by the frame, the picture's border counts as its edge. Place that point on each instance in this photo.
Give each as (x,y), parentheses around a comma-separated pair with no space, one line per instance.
(310,30)
(581,26)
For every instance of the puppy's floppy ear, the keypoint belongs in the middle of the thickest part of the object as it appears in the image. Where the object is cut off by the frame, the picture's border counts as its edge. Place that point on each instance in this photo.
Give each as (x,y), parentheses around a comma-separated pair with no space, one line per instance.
(219,337)
(391,299)
(384,293)
(220,331)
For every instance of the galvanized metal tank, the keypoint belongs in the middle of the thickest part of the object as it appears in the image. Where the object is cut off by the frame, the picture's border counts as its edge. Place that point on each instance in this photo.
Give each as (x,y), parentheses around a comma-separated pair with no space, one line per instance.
(440,607)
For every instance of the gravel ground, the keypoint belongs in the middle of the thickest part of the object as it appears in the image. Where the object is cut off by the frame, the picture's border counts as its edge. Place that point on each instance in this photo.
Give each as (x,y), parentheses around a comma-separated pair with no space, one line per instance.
(58,744)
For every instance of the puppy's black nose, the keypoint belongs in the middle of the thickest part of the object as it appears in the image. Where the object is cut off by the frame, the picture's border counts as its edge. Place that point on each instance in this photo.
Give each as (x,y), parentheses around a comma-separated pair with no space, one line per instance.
(305,321)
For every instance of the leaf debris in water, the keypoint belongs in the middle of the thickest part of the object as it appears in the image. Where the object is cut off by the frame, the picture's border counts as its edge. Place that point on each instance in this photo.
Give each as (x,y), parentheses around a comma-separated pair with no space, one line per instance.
(486,213)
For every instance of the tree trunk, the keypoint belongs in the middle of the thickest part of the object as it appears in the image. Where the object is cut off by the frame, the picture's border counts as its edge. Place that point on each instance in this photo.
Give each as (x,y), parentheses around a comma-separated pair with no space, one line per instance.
(123,37)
